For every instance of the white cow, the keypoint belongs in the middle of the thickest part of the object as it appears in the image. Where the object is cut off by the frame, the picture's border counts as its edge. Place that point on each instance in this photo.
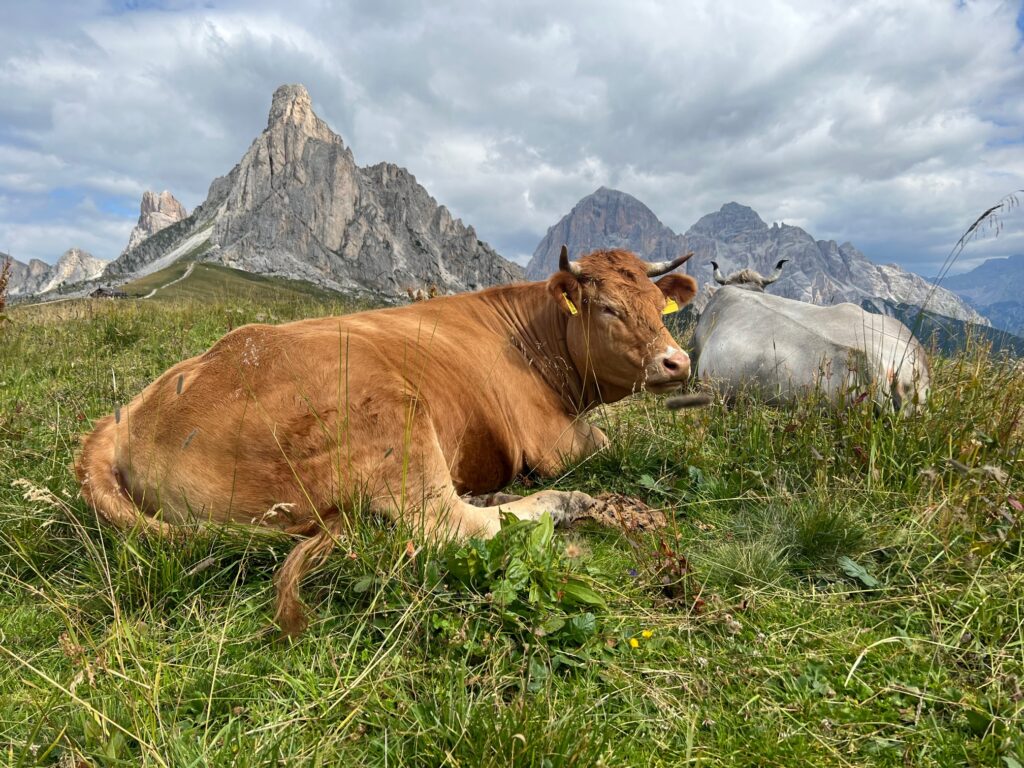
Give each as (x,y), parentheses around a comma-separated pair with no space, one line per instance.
(781,350)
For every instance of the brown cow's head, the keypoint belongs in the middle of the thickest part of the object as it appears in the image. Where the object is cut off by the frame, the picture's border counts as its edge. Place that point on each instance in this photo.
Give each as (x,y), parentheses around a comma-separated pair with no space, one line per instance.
(615,331)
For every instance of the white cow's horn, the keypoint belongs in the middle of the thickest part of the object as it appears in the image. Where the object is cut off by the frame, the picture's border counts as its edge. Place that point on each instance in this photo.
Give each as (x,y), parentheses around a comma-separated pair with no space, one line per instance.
(568,266)
(717,274)
(774,275)
(655,268)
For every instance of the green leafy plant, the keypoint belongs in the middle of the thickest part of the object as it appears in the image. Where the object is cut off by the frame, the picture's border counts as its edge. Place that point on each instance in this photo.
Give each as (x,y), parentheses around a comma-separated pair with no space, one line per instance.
(531,583)
(858,572)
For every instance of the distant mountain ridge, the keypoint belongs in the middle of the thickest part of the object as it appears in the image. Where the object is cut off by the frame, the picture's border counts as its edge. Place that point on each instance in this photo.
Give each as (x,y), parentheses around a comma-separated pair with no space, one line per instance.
(298,206)
(74,266)
(819,271)
(27,279)
(949,335)
(996,289)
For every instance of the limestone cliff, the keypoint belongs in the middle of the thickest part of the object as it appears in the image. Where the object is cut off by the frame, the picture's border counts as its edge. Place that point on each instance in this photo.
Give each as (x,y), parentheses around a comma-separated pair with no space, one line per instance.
(297,205)
(605,219)
(157,212)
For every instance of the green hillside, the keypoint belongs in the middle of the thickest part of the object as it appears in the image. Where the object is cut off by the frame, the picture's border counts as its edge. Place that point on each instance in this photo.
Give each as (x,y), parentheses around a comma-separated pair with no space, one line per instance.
(950,336)
(212,282)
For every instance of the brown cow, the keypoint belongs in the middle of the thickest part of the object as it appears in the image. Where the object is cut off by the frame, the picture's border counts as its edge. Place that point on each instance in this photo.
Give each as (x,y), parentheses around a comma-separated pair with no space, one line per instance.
(291,426)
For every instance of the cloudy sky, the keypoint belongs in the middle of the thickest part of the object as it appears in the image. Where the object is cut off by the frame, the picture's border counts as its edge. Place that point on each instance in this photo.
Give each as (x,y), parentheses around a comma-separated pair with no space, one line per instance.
(889,124)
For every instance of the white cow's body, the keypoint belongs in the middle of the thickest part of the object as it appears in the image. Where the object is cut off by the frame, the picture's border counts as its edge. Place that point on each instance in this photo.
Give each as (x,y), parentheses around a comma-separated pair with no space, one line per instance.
(780,350)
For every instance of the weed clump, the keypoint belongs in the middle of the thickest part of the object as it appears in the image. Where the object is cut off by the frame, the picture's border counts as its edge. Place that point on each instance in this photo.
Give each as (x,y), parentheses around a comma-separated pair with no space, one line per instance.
(530,583)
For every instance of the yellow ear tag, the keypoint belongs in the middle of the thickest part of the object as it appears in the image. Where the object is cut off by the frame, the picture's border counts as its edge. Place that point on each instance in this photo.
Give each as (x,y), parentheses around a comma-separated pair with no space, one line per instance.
(570,305)
(670,307)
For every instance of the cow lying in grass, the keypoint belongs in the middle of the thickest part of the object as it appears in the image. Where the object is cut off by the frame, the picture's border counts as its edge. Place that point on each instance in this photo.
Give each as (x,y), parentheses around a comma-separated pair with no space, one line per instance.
(291,426)
(782,350)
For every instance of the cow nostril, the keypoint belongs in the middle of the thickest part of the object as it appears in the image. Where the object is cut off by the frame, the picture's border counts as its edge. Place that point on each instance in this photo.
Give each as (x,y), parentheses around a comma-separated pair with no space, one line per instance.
(676,364)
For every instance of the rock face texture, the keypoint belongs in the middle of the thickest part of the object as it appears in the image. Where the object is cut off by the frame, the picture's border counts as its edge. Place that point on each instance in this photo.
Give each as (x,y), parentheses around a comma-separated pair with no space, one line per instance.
(819,271)
(74,266)
(27,279)
(996,289)
(297,205)
(157,211)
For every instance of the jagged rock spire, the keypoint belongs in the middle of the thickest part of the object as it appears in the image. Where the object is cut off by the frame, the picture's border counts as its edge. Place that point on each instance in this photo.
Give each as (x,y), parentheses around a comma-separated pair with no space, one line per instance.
(156,212)
(297,205)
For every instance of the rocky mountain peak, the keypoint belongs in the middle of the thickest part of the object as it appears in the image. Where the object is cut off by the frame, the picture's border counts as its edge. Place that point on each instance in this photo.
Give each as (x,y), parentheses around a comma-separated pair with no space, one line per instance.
(73,256)
(74,266)
(606,218)
(604,199)
(297,205)
(289,99)
(36,268)
(164,202)
(26,278)
(291,107)
(819,271)
(731,219)
(156,212)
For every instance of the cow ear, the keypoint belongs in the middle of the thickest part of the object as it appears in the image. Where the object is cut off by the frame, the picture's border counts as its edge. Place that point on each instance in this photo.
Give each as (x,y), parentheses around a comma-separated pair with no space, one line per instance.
(682,288)
(566,292)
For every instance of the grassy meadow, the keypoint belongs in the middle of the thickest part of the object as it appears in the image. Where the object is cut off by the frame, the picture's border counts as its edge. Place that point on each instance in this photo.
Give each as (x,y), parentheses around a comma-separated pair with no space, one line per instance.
(835,589)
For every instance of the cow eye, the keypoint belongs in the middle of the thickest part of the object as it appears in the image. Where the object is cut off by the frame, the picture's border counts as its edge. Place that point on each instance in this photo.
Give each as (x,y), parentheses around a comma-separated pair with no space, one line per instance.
(606,310)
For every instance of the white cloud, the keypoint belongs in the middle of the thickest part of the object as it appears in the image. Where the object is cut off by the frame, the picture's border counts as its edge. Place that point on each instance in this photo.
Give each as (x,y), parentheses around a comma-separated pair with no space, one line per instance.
(888,125)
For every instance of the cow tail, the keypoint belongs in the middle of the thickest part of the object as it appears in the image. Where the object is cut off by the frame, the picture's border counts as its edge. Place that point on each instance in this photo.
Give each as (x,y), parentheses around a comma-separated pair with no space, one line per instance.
(101,484)
(290,616)
(690,400)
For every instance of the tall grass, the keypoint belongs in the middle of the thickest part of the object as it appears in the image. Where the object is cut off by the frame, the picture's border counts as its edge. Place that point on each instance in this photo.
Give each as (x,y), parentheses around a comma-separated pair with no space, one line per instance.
(835,588)
(5,280)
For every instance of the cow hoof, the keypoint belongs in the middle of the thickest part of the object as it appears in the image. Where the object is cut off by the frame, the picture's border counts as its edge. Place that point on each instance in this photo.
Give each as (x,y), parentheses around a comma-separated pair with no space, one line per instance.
(614,510)
(563,506)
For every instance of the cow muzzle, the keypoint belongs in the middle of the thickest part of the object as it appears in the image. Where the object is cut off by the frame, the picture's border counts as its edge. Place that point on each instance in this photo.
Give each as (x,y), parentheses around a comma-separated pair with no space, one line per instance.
(668,370)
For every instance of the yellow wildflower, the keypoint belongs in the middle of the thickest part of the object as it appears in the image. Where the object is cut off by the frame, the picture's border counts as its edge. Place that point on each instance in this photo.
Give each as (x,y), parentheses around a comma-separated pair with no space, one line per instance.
(647,634)
(634,643)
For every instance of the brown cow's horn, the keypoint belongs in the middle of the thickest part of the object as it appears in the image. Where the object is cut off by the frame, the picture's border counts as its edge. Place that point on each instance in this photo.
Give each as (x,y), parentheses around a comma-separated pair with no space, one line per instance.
(655,268)
(568,266)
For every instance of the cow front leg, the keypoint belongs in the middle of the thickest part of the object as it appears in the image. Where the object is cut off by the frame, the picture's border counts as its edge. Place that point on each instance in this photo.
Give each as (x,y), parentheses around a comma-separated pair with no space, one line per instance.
(563,506)
(457,518)
(491,499)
